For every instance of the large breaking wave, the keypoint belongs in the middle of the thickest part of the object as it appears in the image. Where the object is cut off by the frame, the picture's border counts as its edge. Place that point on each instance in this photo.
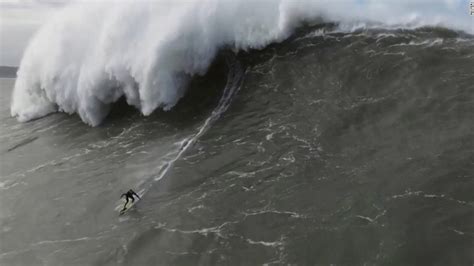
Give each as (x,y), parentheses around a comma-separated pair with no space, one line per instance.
(91,54)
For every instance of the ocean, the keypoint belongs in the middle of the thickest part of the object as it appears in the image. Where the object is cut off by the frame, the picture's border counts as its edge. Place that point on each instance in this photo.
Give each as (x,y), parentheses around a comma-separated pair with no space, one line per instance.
(330,147)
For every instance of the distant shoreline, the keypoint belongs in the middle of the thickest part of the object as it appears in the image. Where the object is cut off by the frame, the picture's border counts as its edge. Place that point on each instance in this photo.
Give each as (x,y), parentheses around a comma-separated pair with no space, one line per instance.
(8,72)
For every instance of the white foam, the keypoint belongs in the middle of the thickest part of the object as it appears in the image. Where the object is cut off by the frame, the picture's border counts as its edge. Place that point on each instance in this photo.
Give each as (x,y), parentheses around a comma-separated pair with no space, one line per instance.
(92,53)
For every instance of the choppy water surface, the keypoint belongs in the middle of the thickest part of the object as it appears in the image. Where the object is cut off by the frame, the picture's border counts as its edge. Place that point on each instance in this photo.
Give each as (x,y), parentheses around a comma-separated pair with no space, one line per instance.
(329,148)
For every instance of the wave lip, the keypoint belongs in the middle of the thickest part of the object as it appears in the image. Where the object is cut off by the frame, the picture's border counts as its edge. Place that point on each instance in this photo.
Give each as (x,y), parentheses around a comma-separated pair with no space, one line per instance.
(91,54)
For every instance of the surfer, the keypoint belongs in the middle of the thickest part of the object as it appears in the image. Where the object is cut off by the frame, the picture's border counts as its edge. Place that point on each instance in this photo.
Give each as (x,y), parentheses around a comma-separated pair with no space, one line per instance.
(129,195)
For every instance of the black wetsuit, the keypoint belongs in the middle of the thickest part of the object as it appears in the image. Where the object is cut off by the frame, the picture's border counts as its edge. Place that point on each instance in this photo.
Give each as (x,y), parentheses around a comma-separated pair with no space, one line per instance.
(129,195)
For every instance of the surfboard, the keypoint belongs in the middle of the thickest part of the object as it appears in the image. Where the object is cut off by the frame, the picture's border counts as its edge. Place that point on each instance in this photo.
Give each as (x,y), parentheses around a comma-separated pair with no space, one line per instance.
(129,205)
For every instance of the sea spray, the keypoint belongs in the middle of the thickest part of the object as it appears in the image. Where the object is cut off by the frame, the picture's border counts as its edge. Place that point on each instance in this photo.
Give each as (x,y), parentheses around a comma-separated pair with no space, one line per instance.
(92,53)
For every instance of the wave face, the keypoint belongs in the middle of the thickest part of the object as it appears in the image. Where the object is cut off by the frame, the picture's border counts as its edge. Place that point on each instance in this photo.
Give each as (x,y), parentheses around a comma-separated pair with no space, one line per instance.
(91,54)
(358,143)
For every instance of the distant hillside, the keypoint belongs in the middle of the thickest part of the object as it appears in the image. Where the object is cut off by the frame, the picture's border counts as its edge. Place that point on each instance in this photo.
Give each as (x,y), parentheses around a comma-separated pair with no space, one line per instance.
(8,72)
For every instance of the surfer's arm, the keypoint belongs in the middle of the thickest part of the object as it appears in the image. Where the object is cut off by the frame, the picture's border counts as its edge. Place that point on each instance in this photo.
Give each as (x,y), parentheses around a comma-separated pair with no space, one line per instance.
(136,194)
(124,194)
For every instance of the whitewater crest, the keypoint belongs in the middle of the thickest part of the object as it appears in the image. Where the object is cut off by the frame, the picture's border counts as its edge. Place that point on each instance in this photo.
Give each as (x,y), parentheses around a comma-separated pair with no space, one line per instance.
(93,53)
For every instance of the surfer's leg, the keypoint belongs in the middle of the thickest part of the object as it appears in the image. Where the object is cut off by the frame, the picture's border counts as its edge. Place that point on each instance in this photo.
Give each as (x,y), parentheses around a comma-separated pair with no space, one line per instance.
(125,205)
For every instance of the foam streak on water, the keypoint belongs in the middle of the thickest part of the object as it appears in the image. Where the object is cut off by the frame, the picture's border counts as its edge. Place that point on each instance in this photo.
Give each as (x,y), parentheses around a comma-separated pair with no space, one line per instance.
(232,87)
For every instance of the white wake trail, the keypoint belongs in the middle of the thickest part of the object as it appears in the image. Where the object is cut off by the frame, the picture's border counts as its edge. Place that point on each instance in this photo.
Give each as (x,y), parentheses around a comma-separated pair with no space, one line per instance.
(234,78)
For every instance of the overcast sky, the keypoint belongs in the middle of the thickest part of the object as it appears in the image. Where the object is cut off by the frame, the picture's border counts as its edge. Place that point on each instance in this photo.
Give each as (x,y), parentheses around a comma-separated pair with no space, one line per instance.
(19,19)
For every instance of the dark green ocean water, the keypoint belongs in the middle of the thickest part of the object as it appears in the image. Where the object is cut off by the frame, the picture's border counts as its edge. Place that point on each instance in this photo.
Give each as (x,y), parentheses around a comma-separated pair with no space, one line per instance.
(327,149)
